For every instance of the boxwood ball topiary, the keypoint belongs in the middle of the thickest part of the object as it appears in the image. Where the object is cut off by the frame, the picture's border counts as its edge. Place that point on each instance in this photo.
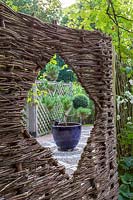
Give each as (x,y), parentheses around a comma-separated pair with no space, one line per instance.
(80,101)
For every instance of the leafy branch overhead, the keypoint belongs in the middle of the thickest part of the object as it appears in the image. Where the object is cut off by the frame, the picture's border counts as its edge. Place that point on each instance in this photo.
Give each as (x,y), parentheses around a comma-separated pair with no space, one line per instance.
(46,10)
(116,20)
(114,17)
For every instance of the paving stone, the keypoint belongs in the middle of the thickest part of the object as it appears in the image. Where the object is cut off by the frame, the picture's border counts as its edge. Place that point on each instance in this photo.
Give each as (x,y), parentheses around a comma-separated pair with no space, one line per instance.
(67,153)
(72,160)
(69,159)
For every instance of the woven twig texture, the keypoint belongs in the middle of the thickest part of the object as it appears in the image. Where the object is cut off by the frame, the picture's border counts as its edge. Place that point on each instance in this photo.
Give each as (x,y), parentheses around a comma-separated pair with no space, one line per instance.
(28,170)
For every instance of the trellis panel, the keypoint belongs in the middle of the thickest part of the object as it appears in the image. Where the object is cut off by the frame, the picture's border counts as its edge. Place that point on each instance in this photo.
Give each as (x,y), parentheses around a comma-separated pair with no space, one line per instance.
(41,120)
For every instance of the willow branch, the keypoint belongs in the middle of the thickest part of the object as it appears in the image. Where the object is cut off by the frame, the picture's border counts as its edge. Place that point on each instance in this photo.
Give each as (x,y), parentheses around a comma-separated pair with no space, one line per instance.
(114,19)
(119,16)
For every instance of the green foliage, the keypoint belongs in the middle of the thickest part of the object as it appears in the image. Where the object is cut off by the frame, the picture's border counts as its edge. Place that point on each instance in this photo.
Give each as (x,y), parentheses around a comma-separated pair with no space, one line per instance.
(46,10)
(125,139)
(66,75)
(66,102)
(83,112)
(56,69)
(126,178)
(80,101)
(49,102)
(128,70)
(43,74)
(112,17)
(78,89)
(127,134)
(52,72)
(30,98)
(35,92)
(125,164)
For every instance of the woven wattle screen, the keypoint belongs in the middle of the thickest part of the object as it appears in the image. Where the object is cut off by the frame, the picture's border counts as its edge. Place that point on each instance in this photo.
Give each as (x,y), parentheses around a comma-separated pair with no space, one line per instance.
(27,170)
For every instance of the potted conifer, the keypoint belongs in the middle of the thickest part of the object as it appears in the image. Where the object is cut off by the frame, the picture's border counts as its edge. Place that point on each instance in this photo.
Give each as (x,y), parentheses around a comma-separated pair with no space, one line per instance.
(67,134)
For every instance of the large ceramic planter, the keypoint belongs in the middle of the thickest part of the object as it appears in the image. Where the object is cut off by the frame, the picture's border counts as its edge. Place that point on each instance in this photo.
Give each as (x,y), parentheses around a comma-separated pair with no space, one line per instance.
(66,137)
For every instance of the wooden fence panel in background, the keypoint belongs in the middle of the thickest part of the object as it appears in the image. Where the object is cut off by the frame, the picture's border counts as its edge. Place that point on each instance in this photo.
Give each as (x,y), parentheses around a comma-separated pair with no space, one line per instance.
(38,117)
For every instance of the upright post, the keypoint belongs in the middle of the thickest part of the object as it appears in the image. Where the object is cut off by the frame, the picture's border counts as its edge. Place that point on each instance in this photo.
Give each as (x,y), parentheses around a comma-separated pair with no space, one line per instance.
(32,114)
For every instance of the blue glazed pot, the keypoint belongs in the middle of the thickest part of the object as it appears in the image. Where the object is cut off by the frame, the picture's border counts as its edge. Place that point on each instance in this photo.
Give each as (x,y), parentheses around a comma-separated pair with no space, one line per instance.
(66,137)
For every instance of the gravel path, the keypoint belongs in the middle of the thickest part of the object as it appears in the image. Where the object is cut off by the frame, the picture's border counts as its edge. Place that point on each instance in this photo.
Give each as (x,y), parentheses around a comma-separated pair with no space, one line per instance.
(67,158)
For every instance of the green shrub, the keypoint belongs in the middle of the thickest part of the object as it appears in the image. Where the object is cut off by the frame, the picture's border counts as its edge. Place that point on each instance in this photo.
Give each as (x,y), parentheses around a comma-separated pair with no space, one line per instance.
(66,103)
(52,72)
(83,112)
(80,101)
(49,102)
(66,75)
(126,178)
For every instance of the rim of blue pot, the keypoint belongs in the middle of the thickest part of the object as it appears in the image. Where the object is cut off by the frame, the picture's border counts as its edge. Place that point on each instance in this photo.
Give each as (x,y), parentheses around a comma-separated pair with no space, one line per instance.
(74,124)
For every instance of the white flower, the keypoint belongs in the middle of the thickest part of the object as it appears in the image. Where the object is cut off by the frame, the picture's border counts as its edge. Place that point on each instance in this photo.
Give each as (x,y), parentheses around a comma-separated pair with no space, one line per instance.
(129,118)
(131,82)
(128,94)
(131,101)
(118,117)
(129,123)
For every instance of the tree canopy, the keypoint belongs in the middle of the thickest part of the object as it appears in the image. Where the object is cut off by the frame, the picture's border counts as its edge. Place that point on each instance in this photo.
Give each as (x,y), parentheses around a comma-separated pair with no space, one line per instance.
(46,10)
(114,17)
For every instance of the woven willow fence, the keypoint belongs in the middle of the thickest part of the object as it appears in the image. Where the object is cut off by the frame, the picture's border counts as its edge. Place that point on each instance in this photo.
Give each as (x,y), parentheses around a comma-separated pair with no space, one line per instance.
(28,171)
(38,118)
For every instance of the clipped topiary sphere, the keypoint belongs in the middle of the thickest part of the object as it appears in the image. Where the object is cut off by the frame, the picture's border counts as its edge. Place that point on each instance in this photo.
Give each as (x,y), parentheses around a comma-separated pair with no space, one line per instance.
(80,101)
